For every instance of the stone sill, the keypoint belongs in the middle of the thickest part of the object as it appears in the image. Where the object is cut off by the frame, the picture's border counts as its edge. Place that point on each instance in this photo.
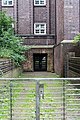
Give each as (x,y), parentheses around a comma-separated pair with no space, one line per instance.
(41,46)
(48,36)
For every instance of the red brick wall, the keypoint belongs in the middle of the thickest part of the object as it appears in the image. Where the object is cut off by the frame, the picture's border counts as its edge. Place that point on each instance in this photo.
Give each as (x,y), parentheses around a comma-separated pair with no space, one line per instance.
(58,55)
(28,65)
(0,4)
(60,20)
(58,60)
(71,18)
(26,14)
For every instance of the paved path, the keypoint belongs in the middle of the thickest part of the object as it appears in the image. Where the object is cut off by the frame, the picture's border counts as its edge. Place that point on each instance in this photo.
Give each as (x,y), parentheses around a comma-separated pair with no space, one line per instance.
(39,75)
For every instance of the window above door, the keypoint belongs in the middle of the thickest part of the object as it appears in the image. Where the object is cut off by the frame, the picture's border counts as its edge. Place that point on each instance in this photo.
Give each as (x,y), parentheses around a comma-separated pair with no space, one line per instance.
(39,2)
(7,2)
(40,28)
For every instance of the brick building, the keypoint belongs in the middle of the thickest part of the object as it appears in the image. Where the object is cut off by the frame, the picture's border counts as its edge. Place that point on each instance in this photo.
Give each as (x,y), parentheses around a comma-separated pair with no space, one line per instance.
(71,28)
(43,24)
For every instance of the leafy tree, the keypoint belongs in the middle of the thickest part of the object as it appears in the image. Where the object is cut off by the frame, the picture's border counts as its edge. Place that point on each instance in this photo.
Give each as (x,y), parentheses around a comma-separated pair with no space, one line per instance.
(5,22)
(10,45)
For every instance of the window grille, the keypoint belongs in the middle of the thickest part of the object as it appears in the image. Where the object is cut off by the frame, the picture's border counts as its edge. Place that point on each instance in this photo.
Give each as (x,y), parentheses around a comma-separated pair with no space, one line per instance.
(7,2)
(40,28)
(39,2)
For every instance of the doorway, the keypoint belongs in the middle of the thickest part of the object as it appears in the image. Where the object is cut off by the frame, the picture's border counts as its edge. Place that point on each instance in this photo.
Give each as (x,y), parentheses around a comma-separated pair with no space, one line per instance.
(40,62)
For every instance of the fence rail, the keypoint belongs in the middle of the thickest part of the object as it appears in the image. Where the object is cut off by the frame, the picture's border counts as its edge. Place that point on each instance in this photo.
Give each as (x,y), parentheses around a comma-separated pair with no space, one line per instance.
(72,67)
(39,99)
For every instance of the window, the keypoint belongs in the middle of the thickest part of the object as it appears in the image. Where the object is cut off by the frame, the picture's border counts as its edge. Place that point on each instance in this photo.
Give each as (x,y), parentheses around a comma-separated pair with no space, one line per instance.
(39,2)
(7,2)
(40,28)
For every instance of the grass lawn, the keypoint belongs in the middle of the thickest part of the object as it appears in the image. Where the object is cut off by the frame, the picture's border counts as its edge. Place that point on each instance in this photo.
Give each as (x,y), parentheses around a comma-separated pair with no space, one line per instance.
(24,99)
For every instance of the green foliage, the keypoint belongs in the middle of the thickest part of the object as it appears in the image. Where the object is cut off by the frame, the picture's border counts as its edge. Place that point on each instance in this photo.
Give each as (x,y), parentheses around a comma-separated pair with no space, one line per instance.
(77,38)
(5,22)
(10,45)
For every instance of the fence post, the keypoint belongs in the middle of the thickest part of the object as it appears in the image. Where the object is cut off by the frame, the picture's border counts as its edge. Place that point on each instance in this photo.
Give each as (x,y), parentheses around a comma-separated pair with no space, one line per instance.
(37,101)
(10,100)
(64,100)
(66,66)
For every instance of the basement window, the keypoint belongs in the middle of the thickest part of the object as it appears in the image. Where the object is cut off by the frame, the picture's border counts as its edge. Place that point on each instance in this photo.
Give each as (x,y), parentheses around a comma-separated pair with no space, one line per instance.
(40,28)
(39,2)
(7,2)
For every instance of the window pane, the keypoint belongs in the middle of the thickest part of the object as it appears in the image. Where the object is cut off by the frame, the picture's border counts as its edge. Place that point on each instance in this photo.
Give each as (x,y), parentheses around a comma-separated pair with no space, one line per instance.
(36,1)
(42,31)
(37,31)
(41,1)
(10,2)
(37,26)
(42,26)
(5,2)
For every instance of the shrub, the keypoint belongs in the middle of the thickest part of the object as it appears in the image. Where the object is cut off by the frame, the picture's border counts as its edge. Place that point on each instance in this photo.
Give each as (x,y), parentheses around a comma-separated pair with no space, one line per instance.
(77,38)
(10,45)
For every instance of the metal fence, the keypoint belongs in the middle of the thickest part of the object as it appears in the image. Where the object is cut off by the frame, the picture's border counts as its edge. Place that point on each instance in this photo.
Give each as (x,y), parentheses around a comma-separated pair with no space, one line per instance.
(72,67)
(39,99)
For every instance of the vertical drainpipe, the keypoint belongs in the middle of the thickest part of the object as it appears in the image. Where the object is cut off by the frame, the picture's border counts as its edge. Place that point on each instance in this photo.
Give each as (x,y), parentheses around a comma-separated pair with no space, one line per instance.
(55,33)
(55,23)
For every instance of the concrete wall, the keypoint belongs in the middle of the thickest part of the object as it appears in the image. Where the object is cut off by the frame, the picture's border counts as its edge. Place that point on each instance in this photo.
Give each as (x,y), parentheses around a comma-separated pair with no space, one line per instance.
(12,74)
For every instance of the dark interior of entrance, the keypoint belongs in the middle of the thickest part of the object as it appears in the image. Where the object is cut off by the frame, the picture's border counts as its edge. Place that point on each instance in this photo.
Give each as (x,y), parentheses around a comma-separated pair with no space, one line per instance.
(40,62)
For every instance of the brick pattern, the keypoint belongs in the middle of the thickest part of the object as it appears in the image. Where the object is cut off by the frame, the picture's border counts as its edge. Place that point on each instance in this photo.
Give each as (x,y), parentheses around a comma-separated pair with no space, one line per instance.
(58,60)
(0,4)
(28,14)
(59,20)
(9,11)
(28,65)
(39,41)
(71,18)
(23,17)
(67,26)
(40,14)
(52,16)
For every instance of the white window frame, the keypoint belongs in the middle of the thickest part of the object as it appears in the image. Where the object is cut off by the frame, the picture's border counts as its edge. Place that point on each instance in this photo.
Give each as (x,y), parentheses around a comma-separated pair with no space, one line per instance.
(39,3)
(35,24)
(7,3)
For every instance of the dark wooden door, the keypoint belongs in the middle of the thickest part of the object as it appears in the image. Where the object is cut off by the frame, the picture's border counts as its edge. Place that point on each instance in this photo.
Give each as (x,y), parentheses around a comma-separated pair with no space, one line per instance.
(40,62)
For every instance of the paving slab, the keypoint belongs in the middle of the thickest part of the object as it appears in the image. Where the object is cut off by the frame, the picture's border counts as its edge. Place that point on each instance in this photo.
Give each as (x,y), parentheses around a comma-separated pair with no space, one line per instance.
(39,75)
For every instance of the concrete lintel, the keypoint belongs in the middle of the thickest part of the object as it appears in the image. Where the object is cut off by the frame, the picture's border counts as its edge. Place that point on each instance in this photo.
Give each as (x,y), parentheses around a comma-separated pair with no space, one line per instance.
(67,41)
(41,46)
